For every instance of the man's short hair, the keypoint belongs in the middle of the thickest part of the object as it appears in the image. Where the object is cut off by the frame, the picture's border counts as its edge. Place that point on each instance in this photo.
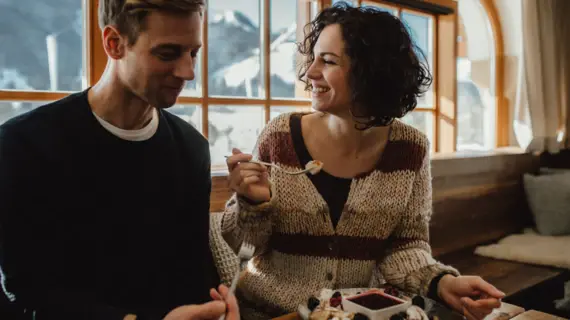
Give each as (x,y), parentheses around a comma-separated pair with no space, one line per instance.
(129,16)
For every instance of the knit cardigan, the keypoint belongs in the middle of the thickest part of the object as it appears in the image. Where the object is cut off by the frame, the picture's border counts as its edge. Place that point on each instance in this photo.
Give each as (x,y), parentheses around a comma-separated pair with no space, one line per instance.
(382,235)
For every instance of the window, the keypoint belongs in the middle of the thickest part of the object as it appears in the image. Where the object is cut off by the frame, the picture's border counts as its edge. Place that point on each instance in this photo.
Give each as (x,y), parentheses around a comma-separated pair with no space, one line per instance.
(10,109)
(392,10)
(45,48)
(234,49)
(45,55)
(476,107)
(247,70)
(351,2)
(421,29)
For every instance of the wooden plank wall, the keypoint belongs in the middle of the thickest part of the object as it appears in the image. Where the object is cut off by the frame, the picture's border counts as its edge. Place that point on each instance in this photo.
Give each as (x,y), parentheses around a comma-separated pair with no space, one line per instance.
(475,199)
(478,200)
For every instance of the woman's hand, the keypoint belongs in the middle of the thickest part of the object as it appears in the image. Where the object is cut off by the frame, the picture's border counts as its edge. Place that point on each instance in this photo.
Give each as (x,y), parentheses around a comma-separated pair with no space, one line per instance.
(472,296)
(249,180)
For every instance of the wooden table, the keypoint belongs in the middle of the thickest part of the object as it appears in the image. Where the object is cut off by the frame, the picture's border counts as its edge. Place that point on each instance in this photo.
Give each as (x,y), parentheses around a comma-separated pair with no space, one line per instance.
(536,315)
(517,312)
(291,316)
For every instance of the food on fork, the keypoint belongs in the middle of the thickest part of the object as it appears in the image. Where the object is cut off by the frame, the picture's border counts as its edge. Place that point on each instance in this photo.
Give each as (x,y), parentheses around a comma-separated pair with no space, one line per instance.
(314,166)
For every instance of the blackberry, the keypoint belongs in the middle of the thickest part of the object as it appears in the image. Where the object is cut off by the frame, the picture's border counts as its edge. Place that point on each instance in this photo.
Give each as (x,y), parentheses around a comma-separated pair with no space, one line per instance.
(313,303)
(419,301)
(392,291)
(336,294)
(360,316)
(397,316)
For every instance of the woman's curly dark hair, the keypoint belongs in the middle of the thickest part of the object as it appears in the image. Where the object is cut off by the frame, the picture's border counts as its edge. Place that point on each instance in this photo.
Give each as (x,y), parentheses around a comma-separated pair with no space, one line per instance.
(386,75)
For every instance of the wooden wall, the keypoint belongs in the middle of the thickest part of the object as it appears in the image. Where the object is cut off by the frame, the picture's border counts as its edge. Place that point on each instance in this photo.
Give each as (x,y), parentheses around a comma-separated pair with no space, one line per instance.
(475,199)
(478,200)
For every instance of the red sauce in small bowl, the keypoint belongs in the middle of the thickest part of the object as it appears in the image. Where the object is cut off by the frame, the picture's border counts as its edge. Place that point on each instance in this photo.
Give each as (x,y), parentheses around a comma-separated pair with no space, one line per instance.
(375,301)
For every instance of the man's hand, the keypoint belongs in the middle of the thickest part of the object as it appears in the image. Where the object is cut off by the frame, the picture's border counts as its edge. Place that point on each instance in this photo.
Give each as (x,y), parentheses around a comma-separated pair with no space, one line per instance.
(472,296)
(208,311)
(223,294)
(224,303)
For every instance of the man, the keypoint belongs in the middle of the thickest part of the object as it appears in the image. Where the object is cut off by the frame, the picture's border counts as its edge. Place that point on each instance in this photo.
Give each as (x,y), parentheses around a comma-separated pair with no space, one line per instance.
(104,195)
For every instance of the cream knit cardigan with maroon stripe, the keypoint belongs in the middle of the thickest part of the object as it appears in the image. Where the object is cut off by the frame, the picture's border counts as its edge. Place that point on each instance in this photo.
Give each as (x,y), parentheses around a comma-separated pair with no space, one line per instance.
(383,228)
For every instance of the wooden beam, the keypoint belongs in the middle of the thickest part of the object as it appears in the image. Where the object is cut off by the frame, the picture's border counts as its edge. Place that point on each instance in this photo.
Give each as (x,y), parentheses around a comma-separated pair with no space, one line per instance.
(48,96)
(96,55)
(204,78)
(266,52)
(446,80)
(435,64)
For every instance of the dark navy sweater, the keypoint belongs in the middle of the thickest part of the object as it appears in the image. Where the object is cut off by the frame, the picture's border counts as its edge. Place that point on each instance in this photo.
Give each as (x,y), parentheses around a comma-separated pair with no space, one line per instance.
(96,227)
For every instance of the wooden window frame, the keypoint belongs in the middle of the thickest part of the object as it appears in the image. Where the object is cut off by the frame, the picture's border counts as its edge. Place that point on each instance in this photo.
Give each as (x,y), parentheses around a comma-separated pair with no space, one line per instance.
(444,70)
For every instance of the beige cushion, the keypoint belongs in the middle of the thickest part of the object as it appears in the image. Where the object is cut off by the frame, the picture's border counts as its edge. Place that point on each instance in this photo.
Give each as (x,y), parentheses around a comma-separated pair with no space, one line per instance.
(548,196)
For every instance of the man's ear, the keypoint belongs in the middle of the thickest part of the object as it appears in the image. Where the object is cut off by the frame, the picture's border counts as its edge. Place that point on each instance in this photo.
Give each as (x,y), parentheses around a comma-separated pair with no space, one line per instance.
(114,43)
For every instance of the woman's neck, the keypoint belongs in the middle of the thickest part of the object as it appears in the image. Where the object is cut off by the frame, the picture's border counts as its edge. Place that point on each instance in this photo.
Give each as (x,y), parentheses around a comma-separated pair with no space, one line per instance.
(348,139)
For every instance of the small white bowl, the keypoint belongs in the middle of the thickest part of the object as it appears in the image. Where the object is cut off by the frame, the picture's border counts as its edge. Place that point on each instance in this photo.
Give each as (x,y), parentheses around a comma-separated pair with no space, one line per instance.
(378,314)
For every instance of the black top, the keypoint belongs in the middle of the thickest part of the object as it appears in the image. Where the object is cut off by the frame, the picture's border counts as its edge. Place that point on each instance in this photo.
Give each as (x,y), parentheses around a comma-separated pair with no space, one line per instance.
(334,190)
(96,227)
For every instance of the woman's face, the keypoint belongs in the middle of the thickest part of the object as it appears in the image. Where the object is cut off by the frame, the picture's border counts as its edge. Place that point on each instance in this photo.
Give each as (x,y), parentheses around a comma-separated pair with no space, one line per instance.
(328,74)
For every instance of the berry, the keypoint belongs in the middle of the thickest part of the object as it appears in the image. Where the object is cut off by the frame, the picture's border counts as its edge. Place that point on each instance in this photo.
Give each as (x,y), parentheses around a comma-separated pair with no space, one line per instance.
(397,316)
(335,302)
(419,301)
(392,291)
(313,303)
(360,316)
(336,295)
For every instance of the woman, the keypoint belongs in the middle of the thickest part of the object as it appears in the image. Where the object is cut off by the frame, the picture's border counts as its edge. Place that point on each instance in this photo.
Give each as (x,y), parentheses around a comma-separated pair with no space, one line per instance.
(368,210)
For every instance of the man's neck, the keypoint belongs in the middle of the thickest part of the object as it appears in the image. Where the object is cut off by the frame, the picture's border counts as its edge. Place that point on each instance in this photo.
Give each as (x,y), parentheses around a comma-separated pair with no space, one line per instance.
(112,102)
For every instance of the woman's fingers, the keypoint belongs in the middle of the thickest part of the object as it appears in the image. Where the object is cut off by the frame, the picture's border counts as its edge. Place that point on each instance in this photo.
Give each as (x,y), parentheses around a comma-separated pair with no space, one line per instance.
(236,159)
(248,181)
(488,303)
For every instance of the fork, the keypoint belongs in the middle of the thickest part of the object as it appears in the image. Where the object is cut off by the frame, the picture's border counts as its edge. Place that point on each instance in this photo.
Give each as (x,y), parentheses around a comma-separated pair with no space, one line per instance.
(273,165)
(245,254)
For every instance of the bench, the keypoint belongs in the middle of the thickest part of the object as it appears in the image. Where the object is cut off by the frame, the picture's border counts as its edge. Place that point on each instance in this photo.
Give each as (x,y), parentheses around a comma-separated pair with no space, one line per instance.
(480,200)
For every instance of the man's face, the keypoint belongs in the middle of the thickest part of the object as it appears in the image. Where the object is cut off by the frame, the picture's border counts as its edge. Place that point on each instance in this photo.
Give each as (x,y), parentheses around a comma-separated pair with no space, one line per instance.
(163,58)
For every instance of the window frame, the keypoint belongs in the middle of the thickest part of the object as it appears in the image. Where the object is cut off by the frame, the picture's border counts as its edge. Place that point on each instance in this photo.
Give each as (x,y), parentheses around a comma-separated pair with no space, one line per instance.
(445,51)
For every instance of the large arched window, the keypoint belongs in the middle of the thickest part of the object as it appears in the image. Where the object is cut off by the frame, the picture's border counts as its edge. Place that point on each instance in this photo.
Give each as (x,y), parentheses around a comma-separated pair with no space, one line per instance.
(476,103)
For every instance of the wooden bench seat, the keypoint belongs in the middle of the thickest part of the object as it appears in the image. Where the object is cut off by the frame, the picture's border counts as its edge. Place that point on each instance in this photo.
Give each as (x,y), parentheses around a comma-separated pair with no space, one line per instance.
(478,201)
